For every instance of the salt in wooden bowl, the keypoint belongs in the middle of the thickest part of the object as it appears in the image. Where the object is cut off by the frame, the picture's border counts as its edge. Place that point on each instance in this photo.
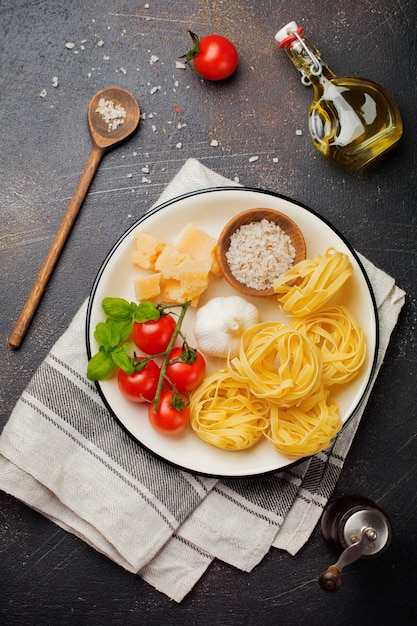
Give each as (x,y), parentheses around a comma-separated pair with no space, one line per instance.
(287,225)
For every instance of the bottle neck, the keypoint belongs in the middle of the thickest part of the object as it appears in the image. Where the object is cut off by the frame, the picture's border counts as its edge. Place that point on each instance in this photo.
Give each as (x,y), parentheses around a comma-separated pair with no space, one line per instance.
(307,59)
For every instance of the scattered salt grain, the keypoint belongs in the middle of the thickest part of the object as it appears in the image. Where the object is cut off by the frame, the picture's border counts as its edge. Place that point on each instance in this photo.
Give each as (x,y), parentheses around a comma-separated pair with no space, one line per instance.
(275,160)
(123,70)
(70,45)
(153,59)
(179,65)
(252,159)
(43,93)
(214,143)
(299,132)
(179,145)
(111,114)
(259,253)
(154,90)
(146,180)
(100,43)
(145,169)
(55,81)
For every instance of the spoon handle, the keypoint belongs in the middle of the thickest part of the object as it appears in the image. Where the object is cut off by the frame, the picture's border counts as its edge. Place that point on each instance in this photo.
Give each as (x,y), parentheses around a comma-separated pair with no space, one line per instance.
(57,245)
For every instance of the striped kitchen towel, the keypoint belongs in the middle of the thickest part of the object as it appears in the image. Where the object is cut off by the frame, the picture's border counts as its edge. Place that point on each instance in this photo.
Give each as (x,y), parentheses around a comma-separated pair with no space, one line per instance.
(64,455)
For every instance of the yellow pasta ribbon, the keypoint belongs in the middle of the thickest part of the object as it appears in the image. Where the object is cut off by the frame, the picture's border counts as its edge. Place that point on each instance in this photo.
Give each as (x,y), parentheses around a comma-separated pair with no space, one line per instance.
(277,363)
(336,333)
(308,285)
(225,414)
(305,429)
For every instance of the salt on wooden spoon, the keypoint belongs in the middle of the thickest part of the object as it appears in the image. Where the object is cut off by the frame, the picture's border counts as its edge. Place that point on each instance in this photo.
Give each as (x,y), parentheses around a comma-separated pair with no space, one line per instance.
(113,115)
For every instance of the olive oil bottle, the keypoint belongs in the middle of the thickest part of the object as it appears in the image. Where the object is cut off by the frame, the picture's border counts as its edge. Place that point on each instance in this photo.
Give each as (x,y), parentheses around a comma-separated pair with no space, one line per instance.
(352,121)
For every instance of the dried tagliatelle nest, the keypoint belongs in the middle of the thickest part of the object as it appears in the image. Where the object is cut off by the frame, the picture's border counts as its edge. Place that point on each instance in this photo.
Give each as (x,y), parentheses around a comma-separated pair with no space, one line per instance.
(336,333)
(226,414)
(311,283)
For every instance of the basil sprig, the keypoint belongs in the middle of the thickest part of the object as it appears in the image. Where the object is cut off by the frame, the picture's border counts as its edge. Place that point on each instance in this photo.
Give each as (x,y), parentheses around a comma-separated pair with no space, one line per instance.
(111,336)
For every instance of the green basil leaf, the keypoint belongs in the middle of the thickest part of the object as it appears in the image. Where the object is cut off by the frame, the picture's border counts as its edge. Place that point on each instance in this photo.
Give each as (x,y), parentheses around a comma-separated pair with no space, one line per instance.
(146,311)
(100,366)
(106,336)
(123,360)
(123,347)
(124,328)
(118,308)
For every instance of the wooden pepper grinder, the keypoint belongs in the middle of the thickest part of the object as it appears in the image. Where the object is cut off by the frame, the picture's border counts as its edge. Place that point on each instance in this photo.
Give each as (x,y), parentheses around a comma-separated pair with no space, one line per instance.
(357,526)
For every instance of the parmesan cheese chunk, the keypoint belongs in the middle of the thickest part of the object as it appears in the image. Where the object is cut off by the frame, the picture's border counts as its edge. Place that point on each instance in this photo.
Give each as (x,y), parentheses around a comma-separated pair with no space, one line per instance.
(148,287)
(174,291)
(198,245)
(194,276)
(169,262)
(147,250)
(175,273)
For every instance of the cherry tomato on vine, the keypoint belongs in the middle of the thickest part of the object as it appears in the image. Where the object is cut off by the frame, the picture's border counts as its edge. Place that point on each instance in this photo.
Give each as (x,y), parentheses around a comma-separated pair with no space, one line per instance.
(140,386)
(188,369)
(214,57)
(153,336)
(172,414)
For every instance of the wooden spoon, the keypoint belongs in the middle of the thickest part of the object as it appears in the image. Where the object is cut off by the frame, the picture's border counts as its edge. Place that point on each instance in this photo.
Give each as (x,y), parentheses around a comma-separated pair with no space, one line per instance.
(105,134)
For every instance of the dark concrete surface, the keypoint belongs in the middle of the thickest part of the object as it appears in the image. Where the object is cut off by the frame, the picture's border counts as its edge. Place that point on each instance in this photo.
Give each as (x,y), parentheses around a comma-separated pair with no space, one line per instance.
(48,576)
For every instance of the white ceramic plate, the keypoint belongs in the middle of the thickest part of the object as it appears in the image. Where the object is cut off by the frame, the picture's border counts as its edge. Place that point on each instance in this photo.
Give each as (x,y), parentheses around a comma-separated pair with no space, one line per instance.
(210,210)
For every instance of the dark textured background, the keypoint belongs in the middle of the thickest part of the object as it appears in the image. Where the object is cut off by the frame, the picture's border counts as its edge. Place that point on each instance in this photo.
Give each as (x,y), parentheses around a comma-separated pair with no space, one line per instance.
(48,576)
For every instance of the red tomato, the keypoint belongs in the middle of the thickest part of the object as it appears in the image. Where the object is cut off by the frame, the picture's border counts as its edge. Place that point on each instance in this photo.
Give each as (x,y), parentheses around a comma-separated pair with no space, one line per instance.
(153,336)
(188,373)
(214,57)
(167,419)
(141,385)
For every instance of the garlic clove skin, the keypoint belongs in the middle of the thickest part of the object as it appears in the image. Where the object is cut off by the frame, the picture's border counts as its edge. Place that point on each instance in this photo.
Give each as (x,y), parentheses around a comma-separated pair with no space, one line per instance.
(220,324)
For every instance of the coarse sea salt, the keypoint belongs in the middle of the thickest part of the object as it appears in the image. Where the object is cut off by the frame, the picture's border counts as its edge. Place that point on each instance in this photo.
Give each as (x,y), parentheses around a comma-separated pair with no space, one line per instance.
(113,115)
(259,253)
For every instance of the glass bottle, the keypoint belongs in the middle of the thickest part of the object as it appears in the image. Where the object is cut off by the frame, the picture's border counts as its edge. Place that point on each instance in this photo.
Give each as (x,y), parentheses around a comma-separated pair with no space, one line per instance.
(352,121)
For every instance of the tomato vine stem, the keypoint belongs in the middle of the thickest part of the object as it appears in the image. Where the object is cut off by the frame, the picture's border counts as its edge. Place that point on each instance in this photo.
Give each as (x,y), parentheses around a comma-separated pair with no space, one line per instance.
(184,307)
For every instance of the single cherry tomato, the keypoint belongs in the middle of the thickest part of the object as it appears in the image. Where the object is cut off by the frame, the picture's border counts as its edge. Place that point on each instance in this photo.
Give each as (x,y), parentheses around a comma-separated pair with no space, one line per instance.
(172,414)
(214,57)
(153,336)
(186,368)
(142,384)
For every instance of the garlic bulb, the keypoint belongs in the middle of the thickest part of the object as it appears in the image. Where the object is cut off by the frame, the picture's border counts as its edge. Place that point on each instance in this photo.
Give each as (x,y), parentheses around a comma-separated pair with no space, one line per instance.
(221,322)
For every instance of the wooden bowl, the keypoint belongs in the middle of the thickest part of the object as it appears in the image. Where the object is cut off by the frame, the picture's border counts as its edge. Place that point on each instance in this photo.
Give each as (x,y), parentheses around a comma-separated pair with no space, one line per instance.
(287,225)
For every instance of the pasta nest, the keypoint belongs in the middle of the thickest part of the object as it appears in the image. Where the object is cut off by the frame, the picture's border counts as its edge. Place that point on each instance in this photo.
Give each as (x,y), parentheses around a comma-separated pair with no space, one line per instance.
(225,414)
(335,332)
(305,429)
(278,363)
(310,284)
